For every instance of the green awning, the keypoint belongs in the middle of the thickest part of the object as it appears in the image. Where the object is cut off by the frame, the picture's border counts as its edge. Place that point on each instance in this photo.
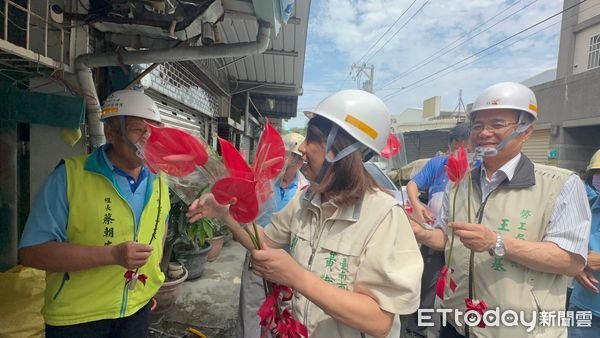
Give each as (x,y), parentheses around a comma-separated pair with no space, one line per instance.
(33,107)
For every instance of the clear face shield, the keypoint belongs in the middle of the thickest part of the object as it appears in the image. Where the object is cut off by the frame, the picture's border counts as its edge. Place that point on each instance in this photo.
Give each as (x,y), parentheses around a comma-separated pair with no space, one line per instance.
(482,151)
(340,155)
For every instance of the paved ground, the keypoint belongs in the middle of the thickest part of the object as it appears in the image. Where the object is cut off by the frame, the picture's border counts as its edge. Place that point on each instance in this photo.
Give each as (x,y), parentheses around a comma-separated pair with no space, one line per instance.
(209,303)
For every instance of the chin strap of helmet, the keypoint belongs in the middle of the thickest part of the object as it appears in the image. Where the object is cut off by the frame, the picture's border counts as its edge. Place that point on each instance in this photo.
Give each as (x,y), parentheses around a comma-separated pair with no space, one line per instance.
(493,151)
(343,153)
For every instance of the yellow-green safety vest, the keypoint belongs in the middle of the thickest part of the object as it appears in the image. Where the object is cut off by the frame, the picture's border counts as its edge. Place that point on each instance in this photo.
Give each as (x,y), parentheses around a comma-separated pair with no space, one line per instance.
(99,215)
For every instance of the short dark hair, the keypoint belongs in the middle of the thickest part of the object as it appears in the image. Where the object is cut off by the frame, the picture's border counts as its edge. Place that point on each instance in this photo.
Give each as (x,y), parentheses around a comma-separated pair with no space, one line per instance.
(346,180)
(459,133)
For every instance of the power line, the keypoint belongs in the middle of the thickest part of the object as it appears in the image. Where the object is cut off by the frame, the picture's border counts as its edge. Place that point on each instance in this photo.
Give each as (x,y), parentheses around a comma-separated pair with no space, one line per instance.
(382,35)
(433,57)
(405,90)
(398,30)
(376,42)
(493,51)
(483,50)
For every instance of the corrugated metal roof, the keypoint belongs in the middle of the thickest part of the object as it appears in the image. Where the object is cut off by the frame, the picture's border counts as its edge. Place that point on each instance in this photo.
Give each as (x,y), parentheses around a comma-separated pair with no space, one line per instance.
(280,70)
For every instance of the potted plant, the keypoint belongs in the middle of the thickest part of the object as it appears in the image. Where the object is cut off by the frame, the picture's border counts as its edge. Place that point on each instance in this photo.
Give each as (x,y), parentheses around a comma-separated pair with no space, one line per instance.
(175,273)
(192,247)
(218,240)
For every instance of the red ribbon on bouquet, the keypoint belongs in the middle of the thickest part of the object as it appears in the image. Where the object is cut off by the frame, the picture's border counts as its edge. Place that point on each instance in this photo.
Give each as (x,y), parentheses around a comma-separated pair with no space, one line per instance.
(285,326)
(288,327)
(443,281)
(478,306)
(130,274)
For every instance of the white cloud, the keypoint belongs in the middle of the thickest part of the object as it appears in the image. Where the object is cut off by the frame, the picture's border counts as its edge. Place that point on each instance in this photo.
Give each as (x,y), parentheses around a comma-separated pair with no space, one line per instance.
(341,31)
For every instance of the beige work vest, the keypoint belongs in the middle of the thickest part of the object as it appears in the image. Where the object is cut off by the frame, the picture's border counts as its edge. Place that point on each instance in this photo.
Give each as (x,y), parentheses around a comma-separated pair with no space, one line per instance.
(331,243)
(520,208)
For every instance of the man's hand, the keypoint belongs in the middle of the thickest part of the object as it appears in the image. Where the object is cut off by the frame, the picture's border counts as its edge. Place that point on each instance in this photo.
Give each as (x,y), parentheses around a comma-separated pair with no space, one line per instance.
(587,280)
(421,213)
(206,206)
(131,255)
(476,237)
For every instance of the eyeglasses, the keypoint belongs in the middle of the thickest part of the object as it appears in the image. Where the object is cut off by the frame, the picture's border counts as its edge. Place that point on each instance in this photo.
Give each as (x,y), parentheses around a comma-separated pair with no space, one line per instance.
(496,126)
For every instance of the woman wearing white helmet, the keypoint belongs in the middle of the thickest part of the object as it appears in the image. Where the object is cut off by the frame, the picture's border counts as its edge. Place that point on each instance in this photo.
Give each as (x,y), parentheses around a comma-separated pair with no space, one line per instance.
(353,263)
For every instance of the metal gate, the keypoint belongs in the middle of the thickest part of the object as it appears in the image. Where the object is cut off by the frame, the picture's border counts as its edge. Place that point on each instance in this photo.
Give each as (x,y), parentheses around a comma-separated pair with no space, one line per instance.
(536,148)
(181,116)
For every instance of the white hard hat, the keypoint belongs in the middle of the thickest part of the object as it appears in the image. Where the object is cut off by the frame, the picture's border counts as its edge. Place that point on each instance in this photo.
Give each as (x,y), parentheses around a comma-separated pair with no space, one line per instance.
(594,162)
(130,103)
(507,95)
(361,114)
(292,142)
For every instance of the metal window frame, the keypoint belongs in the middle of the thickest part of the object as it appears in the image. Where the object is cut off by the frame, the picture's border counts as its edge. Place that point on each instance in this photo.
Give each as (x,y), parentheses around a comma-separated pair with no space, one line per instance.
(20,57)
(594,52)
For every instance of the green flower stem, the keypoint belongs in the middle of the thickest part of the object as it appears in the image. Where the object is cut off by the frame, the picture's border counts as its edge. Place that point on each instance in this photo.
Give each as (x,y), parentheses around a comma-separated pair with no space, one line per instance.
(257,245)
(453,218)
(472,256)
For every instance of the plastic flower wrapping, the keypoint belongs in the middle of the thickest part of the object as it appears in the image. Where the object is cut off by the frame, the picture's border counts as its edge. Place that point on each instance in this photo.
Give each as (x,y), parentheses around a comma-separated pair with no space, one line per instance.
(188,164)
(248,189)
(191,166)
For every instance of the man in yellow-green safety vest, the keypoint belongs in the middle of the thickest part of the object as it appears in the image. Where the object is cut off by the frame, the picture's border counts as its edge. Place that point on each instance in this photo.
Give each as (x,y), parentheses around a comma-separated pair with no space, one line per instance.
(97,227)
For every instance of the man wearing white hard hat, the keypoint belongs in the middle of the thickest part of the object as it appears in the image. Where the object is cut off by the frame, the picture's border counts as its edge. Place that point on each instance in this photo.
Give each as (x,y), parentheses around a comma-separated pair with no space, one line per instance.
(353,263)
(252,293)
(529,224)
(91,227)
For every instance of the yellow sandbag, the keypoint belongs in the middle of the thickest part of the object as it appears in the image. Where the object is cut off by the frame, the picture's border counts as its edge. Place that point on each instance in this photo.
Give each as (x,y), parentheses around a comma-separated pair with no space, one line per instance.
(21,301)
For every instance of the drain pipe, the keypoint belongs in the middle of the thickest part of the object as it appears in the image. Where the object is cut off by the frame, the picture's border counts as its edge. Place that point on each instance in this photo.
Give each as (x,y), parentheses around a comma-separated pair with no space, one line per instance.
(86,62)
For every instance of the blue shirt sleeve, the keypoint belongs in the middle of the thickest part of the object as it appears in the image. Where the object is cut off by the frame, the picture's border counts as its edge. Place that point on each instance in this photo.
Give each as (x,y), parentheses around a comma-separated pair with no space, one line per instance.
(48,218)
(424,178)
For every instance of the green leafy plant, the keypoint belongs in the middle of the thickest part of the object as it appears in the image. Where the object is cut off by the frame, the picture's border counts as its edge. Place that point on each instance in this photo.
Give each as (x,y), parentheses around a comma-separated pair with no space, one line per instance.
(203,229)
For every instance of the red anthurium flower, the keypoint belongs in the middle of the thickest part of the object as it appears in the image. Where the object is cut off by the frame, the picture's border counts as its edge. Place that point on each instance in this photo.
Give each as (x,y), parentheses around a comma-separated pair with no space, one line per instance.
(443,281)
(246,188)
(233,161)
(173,151)
(457,166)
(478,306)
(392,146)
(240,194)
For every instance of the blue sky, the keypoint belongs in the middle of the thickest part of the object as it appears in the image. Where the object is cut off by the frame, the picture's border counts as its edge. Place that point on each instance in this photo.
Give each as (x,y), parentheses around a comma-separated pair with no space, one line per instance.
(341,32)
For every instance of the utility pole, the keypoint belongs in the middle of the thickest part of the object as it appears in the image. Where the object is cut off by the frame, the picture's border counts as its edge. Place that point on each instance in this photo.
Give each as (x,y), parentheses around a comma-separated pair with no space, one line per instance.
(368,71)
(460,109)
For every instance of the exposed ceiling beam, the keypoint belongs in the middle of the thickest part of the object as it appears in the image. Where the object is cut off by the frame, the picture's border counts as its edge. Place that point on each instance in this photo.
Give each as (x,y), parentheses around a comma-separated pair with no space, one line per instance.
(236,9)
(281,52)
